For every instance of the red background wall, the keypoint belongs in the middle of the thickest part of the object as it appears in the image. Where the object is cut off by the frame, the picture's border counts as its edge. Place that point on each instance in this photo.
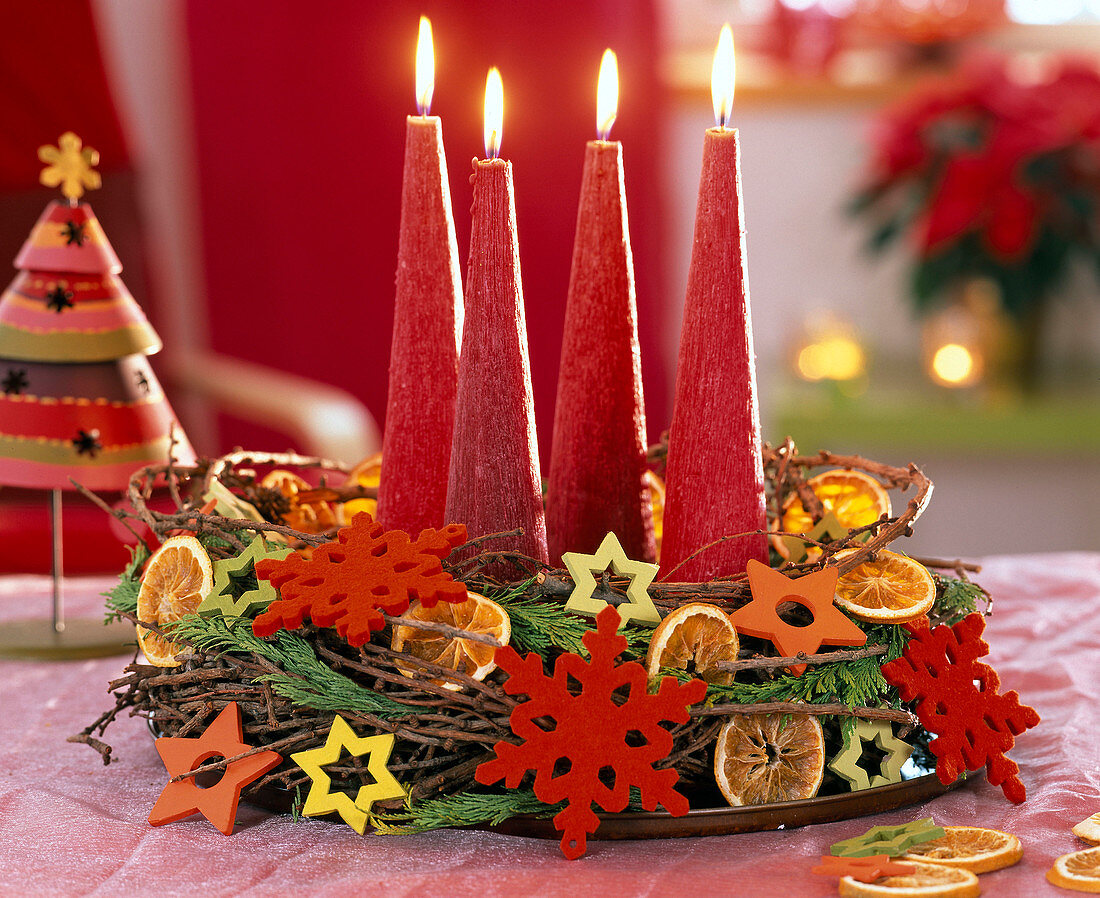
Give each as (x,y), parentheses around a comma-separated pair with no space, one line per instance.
(299,116)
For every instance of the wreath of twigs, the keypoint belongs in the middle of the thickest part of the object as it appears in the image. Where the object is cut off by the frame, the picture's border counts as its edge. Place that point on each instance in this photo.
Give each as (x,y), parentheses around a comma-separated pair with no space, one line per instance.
(442,733)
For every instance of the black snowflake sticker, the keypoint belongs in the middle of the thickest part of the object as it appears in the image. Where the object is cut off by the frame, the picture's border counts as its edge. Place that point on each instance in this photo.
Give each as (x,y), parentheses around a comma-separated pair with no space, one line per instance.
(86,442)
(59,299)
(15,381)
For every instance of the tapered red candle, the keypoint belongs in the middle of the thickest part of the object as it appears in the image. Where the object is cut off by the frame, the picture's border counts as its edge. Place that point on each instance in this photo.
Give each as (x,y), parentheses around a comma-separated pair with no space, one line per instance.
(427,327)
(495,484)
(599,447)
(714,476)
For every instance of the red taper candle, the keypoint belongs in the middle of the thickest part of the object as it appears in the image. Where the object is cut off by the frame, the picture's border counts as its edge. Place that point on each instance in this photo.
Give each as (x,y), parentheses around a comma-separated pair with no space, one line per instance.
(427,327)
(495,483)
(599,449)
(714,476)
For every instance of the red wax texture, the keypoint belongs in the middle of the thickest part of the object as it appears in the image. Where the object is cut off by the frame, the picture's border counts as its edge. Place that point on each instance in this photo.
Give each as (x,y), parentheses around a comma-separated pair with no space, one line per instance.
(714,479)
(427,327)
(599,447)
(494,483)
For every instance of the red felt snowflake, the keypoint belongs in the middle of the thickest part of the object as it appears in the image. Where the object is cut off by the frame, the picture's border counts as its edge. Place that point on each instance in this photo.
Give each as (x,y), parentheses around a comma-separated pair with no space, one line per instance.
(367,570)
(959,700)
(606,747)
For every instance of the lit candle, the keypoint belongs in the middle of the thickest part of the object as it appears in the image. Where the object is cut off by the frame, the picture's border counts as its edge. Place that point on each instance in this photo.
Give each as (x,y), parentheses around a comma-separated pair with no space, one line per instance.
(714,476)
(427,327)
(495,483)
(599,448)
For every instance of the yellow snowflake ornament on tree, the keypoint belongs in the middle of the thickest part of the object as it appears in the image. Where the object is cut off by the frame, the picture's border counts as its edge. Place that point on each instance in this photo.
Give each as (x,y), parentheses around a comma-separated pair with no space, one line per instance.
(70,165)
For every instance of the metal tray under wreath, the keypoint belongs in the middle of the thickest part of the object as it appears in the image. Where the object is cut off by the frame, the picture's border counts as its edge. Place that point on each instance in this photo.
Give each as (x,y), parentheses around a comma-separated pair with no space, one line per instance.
(920,786)
(727,820)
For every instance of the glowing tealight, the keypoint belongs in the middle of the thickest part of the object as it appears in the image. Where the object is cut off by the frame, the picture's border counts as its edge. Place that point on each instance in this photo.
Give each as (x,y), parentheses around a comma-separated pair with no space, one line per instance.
(954,365)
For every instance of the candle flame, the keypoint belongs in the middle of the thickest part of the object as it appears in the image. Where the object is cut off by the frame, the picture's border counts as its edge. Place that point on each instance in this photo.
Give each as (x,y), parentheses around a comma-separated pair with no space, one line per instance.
(425,67)
(494,113)
(607,94)
(722,78)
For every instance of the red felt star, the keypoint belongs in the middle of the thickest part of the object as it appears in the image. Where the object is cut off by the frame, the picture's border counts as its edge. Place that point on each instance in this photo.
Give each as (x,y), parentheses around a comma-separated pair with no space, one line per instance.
(815,592)
(217,803)
(609,745)
(348,582)
(958,698)
(862,869)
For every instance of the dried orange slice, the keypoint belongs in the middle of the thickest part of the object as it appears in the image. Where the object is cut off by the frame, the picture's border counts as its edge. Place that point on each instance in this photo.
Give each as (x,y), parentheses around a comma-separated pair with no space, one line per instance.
(476,615)
(1089,829)
(855,498)
(764,758)
(1079,871)
(367,473)
(892,589)
(928,881)
(177,577)
(693,638)
(308,517)
(969,848)
(656,488)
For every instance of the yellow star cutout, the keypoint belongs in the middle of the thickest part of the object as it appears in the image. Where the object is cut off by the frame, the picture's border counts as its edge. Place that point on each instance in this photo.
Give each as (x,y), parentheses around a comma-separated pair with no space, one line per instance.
(70,166)
(322,800)
(582,568)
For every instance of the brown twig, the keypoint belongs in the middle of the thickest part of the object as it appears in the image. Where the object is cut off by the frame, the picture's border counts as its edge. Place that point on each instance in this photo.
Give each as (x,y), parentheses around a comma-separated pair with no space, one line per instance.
(444,629)
(801,658)
(899,715)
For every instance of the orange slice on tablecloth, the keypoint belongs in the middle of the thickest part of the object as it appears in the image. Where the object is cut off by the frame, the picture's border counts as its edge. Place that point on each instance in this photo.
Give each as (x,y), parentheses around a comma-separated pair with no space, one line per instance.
(367,473)
(1079,871)
(892,589)
(929,881)
(969,848)
(177,578)
(855,499)
(475,659)
(764,758)
(308,517)
(693,638)
(1089,829)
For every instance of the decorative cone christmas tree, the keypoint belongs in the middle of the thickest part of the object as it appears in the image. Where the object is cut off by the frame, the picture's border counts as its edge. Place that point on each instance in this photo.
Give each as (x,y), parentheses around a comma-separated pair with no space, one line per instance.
(78,397)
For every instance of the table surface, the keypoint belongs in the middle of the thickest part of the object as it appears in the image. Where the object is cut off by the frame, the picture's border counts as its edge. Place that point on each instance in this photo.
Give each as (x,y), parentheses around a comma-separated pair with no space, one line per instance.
(68,826)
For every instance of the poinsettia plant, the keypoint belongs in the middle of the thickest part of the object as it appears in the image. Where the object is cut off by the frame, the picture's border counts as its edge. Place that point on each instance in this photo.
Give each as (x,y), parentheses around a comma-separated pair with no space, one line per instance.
(990,175)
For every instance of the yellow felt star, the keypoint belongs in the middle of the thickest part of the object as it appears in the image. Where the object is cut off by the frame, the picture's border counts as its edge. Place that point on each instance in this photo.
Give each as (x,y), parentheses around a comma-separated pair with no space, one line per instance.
(70,165)
(847,764)
(582,568)
(322,800)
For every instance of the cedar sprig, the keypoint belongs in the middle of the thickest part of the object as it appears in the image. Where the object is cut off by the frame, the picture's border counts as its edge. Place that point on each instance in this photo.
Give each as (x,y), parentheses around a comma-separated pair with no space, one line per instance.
(956,598)
(122,597)
(303,678)
(857,683)
(541,626)
(461,809)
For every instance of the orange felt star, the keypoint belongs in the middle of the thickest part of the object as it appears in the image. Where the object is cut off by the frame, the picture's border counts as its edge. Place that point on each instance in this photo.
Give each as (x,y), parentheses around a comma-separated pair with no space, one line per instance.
(815,593)
(862,869)
(217,803)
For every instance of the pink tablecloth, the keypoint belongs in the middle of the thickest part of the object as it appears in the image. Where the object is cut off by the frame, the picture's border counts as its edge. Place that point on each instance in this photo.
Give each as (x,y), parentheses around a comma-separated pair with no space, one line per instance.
(68,826)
